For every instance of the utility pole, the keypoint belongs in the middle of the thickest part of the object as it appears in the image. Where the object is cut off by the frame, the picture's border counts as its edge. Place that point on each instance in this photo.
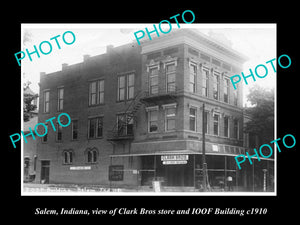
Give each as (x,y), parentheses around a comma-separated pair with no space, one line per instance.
(265,179)
(204,166)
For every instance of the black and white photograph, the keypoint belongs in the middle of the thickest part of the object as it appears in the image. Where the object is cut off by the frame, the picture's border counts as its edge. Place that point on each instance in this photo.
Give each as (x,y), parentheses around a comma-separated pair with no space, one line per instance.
(141,113)
(144,109)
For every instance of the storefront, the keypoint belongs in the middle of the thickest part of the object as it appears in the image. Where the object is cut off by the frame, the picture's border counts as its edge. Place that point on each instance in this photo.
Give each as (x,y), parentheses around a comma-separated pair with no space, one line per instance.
(172,170)
(186,170)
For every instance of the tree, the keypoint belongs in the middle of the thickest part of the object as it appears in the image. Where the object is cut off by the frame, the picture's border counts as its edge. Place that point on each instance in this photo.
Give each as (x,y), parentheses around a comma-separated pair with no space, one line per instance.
(261,113)
(27,36)
(28,96)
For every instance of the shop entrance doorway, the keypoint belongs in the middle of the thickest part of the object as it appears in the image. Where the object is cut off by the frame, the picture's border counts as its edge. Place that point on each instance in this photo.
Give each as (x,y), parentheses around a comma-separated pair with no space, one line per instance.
(45,171)
(167,171)
(176,170)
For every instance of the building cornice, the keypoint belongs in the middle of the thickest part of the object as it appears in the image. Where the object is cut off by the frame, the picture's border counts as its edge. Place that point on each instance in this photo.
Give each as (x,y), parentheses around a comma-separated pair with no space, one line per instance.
(198,41)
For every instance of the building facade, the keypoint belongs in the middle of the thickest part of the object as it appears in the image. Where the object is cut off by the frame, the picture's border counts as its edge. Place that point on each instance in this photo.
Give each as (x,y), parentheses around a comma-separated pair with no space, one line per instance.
(137,116)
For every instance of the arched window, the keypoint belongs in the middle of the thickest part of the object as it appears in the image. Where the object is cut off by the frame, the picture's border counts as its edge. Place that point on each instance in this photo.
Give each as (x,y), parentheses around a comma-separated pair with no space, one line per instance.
(68,156)
(91,155)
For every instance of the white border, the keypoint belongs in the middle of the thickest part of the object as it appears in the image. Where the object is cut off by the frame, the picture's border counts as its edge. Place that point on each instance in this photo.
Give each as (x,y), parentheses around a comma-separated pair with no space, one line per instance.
(142,26)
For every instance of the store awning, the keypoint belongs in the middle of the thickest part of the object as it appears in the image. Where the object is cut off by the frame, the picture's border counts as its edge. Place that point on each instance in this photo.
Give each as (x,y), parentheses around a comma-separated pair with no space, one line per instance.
(179,152)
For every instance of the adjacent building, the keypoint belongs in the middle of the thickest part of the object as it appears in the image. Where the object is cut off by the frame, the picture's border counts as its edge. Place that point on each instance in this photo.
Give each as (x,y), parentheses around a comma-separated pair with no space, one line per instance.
(30,148)
(137,116)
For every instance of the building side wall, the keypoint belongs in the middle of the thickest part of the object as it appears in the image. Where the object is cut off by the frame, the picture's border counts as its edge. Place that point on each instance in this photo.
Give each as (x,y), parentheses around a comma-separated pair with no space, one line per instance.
(75,81)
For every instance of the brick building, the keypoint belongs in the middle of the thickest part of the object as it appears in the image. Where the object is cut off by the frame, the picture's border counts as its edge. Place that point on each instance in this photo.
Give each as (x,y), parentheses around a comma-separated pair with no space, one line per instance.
(137,115)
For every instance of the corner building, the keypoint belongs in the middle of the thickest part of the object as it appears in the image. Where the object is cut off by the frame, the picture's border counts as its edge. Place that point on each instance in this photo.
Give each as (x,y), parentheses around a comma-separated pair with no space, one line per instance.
(137,115)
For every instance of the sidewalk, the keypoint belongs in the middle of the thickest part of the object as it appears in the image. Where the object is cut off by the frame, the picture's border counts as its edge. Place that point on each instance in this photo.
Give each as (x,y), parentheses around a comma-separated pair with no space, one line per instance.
(33,187)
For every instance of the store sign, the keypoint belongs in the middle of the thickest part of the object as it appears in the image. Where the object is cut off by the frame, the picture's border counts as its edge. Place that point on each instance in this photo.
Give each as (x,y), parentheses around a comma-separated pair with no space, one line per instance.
(174,159)
(174,162)
(80,168)
(215,148)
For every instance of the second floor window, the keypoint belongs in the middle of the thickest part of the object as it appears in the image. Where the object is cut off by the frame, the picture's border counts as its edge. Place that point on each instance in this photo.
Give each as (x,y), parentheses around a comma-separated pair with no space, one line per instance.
(192,119)
(236,128)
(125,124)
(74,129)
(226,126)
(170,118)
(96,92)
(45,137)
(95,127)
(59,133)
(153,121)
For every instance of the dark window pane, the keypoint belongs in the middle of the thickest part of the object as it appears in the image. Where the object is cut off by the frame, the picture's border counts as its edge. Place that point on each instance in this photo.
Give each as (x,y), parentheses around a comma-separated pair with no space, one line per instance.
(92,128)
(89,156)
(94,156)
(100,127)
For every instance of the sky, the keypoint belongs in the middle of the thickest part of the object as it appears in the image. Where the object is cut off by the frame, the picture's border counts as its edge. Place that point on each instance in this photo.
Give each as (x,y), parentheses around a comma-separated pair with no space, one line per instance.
(256,41)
